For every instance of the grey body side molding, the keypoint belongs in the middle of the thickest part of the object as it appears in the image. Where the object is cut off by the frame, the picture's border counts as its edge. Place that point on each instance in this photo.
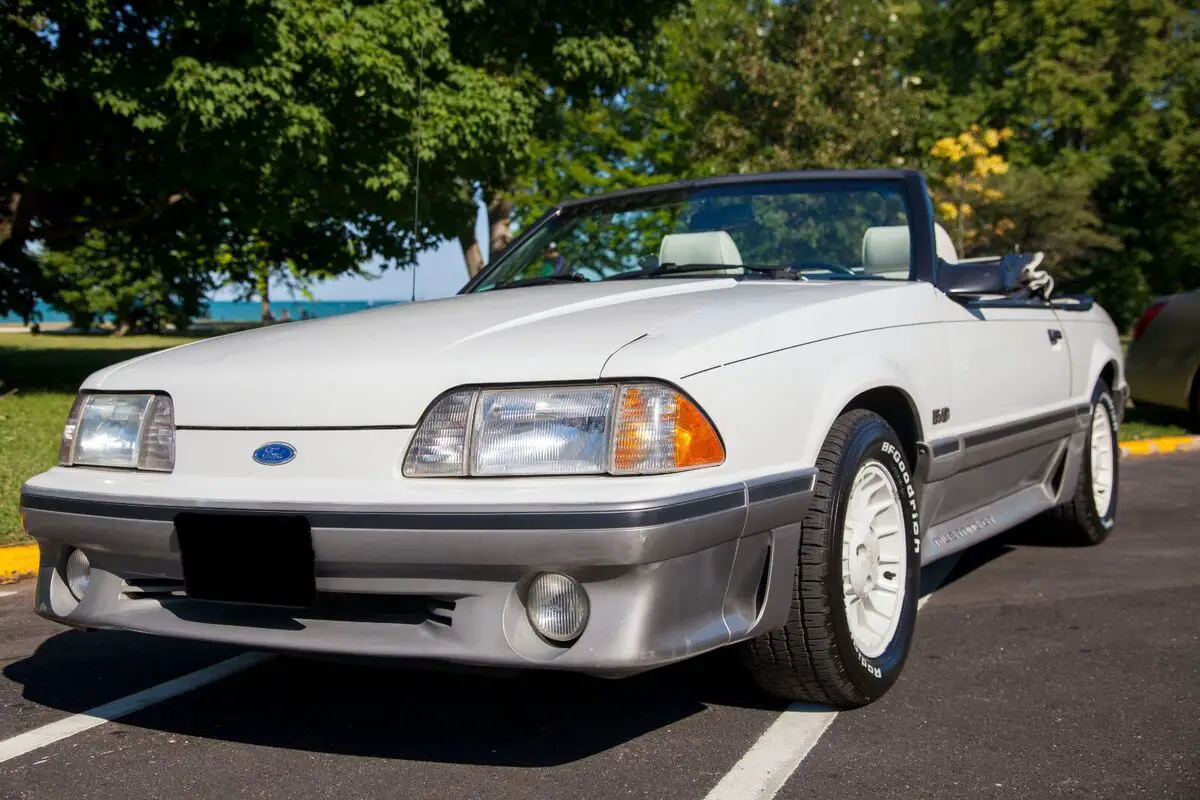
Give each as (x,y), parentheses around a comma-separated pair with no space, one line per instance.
(982,483)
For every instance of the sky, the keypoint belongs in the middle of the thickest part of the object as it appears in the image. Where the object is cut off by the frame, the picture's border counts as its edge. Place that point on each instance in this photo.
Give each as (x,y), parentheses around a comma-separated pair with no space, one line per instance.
(440,273)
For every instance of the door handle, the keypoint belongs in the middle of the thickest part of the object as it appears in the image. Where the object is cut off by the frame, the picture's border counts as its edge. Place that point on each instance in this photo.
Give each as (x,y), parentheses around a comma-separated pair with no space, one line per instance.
(1055,335)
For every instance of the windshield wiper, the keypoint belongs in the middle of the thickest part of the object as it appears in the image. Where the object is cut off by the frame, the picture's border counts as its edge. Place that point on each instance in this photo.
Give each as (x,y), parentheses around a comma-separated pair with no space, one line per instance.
(565,277)
(671,268)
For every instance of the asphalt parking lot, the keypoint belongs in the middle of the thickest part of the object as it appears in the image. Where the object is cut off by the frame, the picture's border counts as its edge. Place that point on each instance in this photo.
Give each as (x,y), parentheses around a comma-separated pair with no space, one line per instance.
(1038,672)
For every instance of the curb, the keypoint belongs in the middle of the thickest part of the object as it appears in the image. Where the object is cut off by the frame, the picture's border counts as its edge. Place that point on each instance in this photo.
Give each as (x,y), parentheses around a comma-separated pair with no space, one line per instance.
(1159,444)
(18,561)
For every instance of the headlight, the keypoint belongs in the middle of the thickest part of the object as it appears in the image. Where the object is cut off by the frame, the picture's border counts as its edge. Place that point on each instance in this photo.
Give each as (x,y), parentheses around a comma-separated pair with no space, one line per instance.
(626,429)
(130,431)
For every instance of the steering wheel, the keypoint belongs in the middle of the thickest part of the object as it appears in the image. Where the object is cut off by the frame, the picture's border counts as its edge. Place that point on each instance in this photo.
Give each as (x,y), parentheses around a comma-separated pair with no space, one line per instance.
(829,265)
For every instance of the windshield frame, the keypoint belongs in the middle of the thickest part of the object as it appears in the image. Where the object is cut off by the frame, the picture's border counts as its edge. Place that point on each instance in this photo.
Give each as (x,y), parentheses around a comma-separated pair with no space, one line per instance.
(912,183)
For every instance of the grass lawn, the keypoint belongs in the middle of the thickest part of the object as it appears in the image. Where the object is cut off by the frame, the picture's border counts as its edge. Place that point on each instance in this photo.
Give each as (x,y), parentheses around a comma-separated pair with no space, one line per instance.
(46,370)
(1142,424)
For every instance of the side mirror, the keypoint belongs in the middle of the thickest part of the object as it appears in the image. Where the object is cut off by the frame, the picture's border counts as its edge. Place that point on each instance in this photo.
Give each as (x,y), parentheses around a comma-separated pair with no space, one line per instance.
(1001,275)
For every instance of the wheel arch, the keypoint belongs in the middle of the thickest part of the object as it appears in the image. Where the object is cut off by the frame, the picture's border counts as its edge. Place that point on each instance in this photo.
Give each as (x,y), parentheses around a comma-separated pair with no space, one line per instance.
(877,384)
(1108,374)
(1097,354)
(898,409)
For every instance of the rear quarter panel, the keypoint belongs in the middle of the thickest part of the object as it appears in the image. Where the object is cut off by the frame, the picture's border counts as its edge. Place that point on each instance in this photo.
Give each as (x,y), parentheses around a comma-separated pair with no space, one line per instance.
(1094,343)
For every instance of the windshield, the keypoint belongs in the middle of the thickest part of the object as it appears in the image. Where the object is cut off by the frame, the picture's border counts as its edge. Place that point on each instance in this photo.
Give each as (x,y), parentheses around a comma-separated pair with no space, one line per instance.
(844,230)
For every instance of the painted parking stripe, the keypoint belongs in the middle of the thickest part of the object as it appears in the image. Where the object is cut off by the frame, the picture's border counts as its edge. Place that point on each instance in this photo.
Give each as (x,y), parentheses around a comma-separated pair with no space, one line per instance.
(771,760)
(65,728)
(7,594)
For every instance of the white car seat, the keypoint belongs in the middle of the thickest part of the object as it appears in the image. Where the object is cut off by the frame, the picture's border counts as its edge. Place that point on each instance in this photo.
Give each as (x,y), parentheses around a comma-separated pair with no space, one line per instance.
(705,247)
(944,245)
(886,251)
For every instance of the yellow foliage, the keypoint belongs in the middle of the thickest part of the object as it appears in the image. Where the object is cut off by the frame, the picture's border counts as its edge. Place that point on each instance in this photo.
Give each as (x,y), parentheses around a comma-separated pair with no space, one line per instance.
(948,149)
(964,186)
(974,145)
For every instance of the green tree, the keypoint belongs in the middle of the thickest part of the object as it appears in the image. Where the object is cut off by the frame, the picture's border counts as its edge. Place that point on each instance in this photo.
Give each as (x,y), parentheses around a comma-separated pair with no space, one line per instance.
(1104,99)
(736,87)
(107,278)
(802,85)
(298,122)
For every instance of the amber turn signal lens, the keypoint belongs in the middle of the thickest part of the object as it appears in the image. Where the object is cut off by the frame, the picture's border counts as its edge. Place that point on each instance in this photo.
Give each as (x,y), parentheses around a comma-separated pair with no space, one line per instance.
(660,430)
(696,443)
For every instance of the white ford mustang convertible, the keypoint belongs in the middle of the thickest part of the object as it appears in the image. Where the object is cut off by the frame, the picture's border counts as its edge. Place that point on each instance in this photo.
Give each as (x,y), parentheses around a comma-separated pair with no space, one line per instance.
(740,411)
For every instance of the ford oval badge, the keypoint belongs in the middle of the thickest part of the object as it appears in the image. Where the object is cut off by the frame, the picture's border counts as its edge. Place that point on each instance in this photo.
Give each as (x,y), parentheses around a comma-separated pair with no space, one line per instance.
(275,453)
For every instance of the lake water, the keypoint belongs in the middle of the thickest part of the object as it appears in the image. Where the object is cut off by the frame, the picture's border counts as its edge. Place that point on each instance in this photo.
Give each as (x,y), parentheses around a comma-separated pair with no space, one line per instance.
(235,311)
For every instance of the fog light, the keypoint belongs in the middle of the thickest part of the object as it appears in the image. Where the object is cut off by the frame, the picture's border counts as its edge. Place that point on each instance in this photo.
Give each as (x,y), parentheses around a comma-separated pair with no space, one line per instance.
(557,606)
(78,572)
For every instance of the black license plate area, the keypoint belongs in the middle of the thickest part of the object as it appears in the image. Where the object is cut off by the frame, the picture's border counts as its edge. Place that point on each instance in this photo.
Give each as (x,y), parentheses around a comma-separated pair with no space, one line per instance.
(247,558)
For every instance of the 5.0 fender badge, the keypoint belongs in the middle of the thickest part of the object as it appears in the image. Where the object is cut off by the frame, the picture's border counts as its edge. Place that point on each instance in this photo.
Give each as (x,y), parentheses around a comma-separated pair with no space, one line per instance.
(273,454)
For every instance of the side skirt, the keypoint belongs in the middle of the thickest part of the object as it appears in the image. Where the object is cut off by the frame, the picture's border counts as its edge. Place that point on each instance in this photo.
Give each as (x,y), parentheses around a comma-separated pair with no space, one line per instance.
(1053,486)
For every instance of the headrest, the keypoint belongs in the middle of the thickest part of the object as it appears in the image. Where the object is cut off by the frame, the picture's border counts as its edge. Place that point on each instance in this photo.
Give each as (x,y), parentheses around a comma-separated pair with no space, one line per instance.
(944,245)
(707,247)
(885,249)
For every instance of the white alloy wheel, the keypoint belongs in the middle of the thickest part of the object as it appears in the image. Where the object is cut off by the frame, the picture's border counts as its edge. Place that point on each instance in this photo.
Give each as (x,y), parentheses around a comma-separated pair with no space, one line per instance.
(1102,459)
(874,546)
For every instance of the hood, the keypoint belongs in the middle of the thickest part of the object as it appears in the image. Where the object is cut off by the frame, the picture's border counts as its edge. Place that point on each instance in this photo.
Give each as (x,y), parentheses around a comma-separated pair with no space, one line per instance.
(383,366)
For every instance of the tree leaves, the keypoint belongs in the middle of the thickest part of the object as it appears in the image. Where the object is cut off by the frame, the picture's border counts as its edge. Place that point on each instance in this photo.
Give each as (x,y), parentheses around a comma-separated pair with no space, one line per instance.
(295,122)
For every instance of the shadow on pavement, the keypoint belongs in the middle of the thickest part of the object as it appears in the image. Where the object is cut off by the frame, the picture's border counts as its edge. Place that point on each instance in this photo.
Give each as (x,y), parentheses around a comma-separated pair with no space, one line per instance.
(75,671)
(1029,534)
(528,719)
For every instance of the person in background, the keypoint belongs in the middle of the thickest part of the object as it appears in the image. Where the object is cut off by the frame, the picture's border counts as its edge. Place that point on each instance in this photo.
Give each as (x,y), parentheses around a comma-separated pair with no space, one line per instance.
(552,263)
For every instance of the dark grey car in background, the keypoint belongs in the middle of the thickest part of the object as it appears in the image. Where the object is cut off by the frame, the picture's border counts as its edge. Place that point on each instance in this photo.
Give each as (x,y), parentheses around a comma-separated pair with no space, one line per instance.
(1163,360)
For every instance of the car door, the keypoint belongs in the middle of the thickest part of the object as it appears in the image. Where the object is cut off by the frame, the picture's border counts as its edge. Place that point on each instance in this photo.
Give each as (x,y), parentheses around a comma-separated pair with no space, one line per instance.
(1011,411)
(1012,362)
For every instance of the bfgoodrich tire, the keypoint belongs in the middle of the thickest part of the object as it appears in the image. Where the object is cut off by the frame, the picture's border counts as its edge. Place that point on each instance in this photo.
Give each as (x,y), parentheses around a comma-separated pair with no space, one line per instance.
(1091,513)
(857,575)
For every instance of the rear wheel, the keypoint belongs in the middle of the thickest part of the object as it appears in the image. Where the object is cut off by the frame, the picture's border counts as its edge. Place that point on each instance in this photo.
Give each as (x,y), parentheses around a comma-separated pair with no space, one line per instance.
(1090,515)
(854,597)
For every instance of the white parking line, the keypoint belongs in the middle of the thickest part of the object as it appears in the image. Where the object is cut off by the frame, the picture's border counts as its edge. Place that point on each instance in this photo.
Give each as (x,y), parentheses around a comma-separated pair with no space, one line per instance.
(770,761)
(7,594)
(64,728)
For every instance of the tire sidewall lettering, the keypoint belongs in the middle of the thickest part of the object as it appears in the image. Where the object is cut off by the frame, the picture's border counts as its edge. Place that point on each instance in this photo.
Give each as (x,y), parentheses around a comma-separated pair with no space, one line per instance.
(877,674)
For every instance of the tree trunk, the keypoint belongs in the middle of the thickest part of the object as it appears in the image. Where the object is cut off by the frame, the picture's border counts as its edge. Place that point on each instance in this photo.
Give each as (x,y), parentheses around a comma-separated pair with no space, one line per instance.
(14,217)
(122,323)
(472,253)
(499,208)
(263,286)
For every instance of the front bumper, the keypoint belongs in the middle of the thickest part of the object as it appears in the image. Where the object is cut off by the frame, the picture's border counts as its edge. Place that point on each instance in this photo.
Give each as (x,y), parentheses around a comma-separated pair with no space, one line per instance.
(667,579)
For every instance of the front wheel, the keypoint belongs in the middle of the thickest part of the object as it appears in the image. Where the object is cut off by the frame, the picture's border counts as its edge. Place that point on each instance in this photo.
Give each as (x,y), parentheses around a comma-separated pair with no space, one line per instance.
(854,598)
